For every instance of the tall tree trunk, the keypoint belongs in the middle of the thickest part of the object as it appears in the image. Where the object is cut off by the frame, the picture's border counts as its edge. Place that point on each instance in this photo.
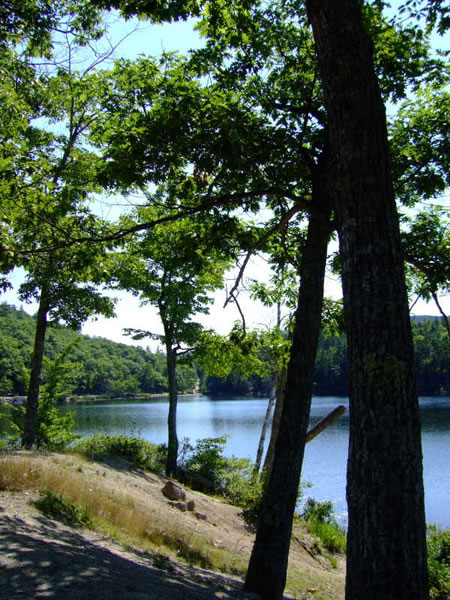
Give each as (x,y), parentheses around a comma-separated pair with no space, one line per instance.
(386,550)
(262,438)
(266,573)
(172,444)
(31,411)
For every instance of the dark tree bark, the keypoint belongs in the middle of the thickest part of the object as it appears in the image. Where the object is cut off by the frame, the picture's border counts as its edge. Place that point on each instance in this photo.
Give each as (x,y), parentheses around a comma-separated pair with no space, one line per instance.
(31,410)
(172,444)
(386,550)
(266,573)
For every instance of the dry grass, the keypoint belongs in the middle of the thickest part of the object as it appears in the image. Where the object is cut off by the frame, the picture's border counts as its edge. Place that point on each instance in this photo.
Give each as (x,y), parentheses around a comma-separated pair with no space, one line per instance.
(130,508)
(115,513)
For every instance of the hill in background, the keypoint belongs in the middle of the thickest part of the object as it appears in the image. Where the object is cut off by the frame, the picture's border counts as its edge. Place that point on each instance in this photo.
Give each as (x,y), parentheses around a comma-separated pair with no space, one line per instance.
(118,370)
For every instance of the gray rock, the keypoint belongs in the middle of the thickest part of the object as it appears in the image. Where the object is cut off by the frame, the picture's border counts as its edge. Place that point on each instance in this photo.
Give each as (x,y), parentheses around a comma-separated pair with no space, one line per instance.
(200,516)
(180,505)
(172,491)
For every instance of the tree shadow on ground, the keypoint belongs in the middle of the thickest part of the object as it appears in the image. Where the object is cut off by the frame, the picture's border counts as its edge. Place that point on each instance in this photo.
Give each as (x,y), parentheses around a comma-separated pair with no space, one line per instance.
(46,561)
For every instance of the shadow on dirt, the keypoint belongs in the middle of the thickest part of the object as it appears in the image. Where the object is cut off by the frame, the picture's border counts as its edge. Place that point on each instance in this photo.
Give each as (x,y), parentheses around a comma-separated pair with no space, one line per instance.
(45,561)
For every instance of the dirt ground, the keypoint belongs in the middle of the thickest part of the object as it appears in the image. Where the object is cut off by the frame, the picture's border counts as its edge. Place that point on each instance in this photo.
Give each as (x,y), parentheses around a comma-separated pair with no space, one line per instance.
(44,558)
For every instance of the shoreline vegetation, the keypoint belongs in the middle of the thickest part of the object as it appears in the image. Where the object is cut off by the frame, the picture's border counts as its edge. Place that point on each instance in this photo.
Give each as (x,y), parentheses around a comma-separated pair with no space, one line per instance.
(88,398)
(96,398)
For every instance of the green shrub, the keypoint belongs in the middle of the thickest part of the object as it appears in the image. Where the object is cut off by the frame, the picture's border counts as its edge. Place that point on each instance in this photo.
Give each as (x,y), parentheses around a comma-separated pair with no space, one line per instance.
(313,510)
(205,458)
(234,475)
(438,545)
(57,506)
(238,479)
(11,424)
(321,524)
(138,451)
(53,431)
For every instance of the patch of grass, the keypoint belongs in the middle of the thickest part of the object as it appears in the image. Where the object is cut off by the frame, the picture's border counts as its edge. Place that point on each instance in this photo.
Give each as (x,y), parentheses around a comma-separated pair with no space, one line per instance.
(57,506)
(312,586)
(322,525)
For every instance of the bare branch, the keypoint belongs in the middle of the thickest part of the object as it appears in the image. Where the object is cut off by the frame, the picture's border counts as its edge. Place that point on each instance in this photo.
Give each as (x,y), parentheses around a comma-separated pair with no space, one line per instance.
(232,297)
(285,219)
(444,316)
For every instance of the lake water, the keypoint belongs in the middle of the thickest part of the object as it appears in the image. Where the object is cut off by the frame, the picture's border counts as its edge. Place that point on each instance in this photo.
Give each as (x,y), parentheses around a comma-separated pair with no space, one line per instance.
(325,456)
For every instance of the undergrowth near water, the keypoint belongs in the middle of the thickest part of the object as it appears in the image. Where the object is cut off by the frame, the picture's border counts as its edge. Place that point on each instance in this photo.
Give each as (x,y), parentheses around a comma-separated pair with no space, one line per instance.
(438,546)
(322,526)
(139,452)
(55,505)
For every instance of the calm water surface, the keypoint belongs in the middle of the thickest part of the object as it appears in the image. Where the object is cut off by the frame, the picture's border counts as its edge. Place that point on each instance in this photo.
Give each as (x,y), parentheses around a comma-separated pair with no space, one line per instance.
(325,457)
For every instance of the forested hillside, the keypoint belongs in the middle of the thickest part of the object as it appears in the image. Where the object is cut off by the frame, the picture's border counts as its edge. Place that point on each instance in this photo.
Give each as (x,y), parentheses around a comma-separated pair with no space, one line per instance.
(105,367)
(118,369)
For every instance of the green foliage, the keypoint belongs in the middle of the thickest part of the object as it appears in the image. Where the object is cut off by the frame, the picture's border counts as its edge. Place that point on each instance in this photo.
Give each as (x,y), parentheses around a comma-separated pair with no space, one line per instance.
(322,525)
(117,369)
(55,505)
(243,488)
(54,432)
(420,145)
(11,424)
(317,511)
(206,458)
(32,23)
(438,546)
(175,268)
(138,451)
(426,245)
(103,367)
(238,352)
(432,365)
(234,475)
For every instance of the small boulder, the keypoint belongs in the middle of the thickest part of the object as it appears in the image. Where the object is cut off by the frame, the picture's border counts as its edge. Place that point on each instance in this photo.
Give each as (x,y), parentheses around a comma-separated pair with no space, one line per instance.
(172,491)
(191,505)
(180,505)
(200,516)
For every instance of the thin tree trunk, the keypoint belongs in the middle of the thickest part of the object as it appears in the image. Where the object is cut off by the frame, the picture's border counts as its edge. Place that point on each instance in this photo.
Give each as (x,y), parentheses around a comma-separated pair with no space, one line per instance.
(268,462)
(272,398)
(31,411)
(444,316)
(266,573)
(172,444)
(262,438)
(386,549)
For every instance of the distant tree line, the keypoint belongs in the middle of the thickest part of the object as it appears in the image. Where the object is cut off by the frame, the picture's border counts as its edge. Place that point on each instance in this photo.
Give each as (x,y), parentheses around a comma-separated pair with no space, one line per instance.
(114,369)
(106,367)
(432,357)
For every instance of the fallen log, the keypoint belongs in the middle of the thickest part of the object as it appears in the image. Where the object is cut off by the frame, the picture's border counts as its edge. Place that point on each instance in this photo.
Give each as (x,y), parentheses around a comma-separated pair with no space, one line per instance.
(325,422)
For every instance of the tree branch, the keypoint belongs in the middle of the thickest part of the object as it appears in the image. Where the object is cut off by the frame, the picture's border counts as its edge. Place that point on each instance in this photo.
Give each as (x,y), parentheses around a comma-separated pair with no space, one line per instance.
(444,316)
(285,219)
(117,235)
